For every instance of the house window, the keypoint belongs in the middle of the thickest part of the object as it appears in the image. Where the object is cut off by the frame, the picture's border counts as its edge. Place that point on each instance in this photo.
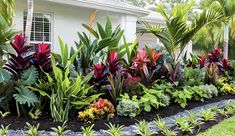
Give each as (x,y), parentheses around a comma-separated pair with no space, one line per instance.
(41,28)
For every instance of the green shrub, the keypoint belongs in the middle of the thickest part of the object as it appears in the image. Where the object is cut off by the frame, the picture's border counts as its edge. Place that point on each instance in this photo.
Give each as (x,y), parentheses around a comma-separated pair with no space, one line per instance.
(193,76)
(128,107)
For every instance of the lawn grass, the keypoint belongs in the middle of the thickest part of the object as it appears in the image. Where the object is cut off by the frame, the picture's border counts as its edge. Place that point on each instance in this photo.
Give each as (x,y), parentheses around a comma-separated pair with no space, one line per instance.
(224,128)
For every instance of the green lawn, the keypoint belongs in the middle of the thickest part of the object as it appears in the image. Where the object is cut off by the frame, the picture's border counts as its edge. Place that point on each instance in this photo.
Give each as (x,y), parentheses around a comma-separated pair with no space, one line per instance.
(225,128)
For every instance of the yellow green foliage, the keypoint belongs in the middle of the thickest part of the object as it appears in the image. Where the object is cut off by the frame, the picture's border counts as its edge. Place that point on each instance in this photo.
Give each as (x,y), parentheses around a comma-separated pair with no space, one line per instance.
(97,110)
(228,88)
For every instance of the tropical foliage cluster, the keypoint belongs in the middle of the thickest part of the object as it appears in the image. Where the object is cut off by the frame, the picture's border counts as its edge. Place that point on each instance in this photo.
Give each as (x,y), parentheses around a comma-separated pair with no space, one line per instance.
(103,77)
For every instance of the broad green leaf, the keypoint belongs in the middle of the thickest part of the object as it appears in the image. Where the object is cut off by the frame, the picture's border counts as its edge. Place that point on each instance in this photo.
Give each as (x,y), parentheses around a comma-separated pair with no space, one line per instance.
(25,96)
(29,76)
(4,76)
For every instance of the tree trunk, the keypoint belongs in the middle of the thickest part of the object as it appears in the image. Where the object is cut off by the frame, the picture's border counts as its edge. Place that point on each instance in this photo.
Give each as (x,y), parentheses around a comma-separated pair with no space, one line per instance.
(29,21)
(226,38)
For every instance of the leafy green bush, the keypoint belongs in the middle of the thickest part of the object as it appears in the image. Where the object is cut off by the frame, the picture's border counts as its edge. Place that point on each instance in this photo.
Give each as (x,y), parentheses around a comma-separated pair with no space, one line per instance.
(153,98)
(128,107)
(182,97)
(204,92)
(193,76)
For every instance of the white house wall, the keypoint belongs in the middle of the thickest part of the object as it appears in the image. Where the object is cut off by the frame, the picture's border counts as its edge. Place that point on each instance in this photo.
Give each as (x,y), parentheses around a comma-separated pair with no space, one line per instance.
(67,20)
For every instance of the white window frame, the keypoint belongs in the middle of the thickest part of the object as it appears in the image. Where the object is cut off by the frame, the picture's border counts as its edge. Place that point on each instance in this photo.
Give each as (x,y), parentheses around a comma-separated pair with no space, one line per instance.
(51,28)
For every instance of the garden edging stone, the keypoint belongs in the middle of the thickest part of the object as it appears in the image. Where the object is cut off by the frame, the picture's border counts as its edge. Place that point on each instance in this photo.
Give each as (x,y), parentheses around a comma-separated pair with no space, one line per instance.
(129,130)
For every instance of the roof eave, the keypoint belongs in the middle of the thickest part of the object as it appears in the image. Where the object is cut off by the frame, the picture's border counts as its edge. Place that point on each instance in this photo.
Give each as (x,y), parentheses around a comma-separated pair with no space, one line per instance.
(104,6)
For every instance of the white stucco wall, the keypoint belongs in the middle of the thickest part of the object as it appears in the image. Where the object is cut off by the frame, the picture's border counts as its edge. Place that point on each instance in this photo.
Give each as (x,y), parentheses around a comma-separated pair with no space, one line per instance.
(67,20)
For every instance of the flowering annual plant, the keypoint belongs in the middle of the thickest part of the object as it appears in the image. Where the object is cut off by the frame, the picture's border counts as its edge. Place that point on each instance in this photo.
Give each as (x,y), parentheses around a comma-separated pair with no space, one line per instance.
(100,109)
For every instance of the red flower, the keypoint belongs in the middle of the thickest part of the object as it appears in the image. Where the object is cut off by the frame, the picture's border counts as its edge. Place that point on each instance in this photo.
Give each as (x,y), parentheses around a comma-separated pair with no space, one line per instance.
(18,44)
(142,55)
(43,50)
(155,56)
(210,56)
(98,70)
(202,60)
(141,59)
(101,102)
(217,52)
(112,56)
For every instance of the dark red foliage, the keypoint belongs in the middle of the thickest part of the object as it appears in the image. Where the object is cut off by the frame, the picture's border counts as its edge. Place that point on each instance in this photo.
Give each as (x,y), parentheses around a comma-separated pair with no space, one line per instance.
(99,70)
(42,57)
(215,57)
(21,60)
(24,58)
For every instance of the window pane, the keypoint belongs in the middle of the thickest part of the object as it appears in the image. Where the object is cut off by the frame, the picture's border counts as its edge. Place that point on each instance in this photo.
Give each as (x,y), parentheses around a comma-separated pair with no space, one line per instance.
(47,18)
(47,37)
(38,36)
(46,27)
(38,26)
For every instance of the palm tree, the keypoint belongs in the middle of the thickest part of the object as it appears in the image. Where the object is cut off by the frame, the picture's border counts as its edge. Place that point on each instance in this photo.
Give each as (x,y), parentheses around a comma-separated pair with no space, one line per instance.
(29,21)
(179,32)
(228,8)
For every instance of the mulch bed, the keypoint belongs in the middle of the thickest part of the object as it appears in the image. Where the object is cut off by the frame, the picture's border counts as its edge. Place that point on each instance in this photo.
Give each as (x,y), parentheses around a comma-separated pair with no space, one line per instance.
(73,124)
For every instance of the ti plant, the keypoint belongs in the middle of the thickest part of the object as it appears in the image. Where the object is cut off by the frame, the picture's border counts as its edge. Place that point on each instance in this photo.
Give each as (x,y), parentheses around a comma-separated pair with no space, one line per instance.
(114,130)
(184,125)
(32,130)
(116,83)
(4,130)
(60,130)
(142,128)
(104,38)
(208,115)
(87,131)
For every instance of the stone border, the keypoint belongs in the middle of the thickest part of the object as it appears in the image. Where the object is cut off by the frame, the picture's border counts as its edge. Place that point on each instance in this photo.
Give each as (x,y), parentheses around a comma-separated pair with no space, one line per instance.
(129,130)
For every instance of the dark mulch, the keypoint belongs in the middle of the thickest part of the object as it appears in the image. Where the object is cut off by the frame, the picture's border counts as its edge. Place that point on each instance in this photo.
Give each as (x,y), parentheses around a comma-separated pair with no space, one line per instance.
(73,124)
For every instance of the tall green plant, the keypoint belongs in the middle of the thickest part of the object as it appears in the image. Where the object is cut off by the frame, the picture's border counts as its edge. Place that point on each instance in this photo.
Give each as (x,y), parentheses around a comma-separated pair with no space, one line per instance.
(6,33)
(66,93)
(105,38)
(178,32)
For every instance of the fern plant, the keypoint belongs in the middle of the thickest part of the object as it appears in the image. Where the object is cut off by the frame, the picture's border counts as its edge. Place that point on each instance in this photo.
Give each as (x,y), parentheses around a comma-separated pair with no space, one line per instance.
(32,130)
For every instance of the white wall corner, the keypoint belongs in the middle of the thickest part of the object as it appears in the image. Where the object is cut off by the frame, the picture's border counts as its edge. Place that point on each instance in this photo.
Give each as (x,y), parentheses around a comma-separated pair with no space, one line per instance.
(128,23)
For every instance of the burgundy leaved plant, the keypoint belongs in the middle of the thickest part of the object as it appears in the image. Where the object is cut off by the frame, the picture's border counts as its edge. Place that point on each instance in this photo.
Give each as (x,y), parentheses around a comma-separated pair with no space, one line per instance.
(21,60)
(42,57)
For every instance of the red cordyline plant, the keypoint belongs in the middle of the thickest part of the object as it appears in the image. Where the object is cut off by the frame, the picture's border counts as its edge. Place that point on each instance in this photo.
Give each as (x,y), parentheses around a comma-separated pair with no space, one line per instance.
(21,60)
(42,57)
(215,65)
(102,71)
(24,58)
(216,58)
(144,64)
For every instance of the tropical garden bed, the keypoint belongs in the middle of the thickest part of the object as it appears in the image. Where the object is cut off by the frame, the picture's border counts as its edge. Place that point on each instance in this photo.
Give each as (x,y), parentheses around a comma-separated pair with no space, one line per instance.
(104,83)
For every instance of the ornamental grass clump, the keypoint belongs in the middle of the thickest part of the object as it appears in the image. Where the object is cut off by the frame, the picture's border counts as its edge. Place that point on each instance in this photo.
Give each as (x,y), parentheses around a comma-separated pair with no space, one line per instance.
(103,108)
